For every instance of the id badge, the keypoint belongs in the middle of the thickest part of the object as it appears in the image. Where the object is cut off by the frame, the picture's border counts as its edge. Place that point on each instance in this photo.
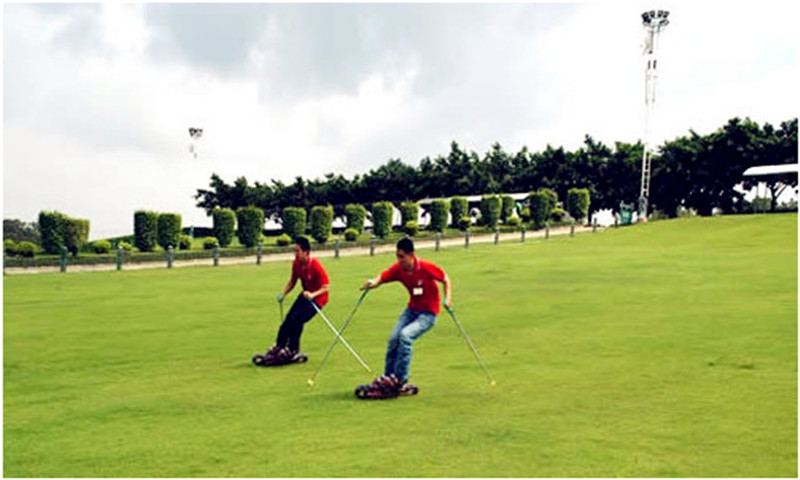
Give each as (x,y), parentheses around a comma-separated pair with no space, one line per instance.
(417,291)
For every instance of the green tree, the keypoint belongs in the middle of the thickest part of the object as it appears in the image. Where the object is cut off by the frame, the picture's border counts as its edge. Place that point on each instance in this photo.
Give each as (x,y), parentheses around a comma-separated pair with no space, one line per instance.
(321,223)
(250,220)
(224,225)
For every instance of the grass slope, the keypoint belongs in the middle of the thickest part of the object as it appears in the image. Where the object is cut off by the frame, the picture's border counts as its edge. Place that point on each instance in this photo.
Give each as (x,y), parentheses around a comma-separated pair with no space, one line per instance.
(665,349)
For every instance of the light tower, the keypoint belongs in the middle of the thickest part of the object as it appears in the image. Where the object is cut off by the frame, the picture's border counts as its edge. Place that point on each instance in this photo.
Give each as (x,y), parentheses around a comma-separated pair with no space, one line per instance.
(653,21)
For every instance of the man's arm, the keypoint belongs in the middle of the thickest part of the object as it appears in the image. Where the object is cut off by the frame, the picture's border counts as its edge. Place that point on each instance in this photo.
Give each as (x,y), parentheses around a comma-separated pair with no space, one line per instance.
(372,283)
(448,292)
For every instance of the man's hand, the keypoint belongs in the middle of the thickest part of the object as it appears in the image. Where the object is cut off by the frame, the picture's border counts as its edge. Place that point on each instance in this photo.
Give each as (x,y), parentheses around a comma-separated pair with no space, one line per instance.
(279,297)
(307,294)
(368,285)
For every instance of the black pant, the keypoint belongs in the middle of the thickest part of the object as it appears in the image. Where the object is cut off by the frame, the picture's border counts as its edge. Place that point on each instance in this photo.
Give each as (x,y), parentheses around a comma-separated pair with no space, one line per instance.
(292,327)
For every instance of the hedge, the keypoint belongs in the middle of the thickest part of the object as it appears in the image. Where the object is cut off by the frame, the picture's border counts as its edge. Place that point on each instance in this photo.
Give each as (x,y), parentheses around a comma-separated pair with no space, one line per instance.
(409,212)
(490,210)
(507,209)
(294,221)
(438,215)
(169,230)
(283,240)
(578,203)
(224,225)
(26,249)
(551,198)
(145,230)
(356,214)
(539,208)
(76,234)
(251,221)
(458,209)
(382,218)
(321,223)
(52,226)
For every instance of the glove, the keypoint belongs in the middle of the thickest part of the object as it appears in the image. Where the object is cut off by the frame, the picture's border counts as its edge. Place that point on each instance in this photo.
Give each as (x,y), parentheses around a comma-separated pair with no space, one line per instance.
(279,297)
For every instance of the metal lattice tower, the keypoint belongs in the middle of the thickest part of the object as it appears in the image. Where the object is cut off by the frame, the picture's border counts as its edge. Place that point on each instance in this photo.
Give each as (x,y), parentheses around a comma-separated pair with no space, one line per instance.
(653,21)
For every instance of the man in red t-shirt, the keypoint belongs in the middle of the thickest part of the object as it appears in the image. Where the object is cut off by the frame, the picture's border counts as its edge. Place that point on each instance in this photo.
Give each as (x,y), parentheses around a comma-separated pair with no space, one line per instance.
(315,289)
(419,277)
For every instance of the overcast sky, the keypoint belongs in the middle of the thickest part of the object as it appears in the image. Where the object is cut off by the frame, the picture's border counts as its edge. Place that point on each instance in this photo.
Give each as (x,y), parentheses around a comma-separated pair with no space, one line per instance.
(98,98)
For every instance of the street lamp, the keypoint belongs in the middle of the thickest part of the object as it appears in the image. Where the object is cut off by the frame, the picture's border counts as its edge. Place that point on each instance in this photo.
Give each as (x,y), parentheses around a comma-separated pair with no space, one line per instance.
(654,21)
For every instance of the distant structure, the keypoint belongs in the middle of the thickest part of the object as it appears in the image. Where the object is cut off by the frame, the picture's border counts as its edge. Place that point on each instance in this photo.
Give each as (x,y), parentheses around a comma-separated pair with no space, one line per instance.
(653,21)
(195,133)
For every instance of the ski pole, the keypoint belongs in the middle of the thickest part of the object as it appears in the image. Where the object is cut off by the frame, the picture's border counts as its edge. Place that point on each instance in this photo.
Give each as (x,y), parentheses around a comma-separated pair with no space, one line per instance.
(344,342)
(335,340)
(471,346)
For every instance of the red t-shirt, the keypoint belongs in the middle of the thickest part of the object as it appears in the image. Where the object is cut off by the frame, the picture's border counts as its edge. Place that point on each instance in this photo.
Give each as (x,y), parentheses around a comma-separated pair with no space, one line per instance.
(312,276)
(420,283)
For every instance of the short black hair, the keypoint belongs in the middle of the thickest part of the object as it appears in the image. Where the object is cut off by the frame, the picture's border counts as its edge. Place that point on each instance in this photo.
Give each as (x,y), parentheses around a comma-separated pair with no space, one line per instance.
(406,245)
(305,245)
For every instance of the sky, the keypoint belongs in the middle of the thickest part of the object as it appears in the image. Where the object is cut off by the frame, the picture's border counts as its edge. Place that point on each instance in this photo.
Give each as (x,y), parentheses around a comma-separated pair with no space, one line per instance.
(98,98)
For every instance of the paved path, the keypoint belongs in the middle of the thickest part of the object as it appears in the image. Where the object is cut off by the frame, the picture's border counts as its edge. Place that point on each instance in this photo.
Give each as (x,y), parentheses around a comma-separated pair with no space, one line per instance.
(281,257)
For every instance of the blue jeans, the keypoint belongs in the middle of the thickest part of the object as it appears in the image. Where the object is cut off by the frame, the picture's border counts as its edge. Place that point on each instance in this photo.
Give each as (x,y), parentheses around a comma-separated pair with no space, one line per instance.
(410,325)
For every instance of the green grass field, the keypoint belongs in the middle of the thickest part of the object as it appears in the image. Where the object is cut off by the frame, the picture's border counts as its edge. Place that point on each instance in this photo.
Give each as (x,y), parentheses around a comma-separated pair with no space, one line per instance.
(661,350)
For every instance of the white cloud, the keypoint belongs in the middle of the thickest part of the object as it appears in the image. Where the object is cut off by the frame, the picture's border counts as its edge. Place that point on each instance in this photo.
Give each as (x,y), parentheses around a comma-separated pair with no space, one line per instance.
(96,126)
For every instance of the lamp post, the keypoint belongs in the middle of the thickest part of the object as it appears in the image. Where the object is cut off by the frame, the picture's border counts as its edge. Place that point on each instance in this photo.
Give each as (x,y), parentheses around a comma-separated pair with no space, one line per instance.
(654,21)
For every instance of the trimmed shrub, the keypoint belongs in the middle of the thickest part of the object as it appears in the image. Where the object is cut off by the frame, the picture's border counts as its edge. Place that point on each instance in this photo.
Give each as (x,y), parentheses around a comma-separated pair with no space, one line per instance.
(26,249)
(224,225)
(126,246)
(356,214)
(506,208)
(294,221)
(382,218)
(209,243)
(438,215)
(76,234)
(351,234)
(558,214)
(464,223)
(409,212)
(321,223)
(539,209)
(490,210)
(578,203)
(458,210)
(251,222)
(525,214)
(169,230)
(513,222)
(53,228)
(145,230)
(10,247)
(411,228)
(551,198)
(185,243)
(283,240)
(101,246)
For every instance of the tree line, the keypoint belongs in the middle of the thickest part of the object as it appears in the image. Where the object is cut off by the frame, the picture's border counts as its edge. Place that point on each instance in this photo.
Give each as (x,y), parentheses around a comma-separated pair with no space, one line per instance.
(692,171)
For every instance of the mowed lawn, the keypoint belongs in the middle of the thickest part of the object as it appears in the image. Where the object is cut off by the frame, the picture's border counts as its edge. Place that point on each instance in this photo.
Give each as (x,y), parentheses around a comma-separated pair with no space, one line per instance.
(660,350)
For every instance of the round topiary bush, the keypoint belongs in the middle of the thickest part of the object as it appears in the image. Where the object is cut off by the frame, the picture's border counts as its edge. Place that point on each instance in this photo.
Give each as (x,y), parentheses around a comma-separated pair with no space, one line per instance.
(127,247)
(209,243)
(411,228)
(351,234)
(26,249)
(185,243)
(512,221)
(283,240)
(464,223)
(101,246)
(558,214)
(10,247)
